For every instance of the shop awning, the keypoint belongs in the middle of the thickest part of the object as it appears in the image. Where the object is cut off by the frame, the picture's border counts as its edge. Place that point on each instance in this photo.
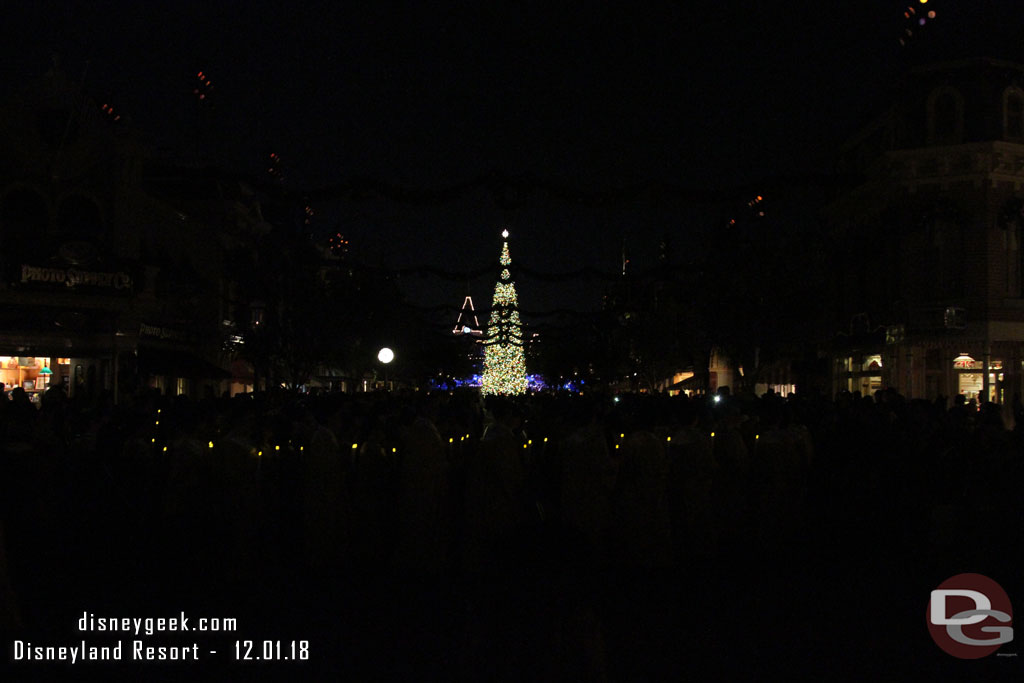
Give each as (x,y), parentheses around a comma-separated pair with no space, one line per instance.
(689,384)
(178,364)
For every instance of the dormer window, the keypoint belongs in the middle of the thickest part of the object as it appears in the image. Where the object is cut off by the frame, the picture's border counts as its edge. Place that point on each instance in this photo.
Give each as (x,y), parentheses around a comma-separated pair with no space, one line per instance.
(945,117)
(1013,114)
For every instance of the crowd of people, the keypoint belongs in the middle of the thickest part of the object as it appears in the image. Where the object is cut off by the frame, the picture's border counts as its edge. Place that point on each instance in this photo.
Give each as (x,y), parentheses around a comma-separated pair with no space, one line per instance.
(572,536)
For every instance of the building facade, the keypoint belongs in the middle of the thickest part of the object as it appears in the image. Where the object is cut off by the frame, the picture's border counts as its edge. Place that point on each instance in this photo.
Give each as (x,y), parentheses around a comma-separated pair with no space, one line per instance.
(112,277)
(927,262)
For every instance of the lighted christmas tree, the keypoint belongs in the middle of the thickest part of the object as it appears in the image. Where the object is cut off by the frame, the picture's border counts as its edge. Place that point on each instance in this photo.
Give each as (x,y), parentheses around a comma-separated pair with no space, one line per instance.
(504,360)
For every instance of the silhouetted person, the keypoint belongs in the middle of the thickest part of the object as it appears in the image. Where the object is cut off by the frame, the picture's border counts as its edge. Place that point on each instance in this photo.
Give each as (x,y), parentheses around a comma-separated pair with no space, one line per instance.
(496,489)
(53,405)
(21,416)
(587,481)
(958,413)
(10,617)
(422,483)
(641,520)
(692,473)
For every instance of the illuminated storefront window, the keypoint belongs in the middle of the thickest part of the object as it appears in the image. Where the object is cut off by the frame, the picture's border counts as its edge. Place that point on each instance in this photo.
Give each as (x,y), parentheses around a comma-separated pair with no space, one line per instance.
(34,374)
(864,375)
(971,378)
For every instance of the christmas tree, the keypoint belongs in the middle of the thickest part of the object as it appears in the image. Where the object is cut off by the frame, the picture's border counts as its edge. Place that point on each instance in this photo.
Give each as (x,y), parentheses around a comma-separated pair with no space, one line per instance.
(504,360)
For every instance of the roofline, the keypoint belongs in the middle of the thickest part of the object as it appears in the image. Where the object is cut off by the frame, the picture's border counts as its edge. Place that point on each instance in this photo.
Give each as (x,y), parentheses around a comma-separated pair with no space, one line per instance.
(966,62)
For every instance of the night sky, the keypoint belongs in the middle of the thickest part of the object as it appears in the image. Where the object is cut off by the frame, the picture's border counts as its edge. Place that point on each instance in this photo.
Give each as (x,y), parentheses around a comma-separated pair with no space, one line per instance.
(581,96)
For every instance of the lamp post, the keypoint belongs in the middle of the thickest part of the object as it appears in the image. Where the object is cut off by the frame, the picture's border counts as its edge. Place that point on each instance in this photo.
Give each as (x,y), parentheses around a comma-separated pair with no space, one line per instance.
(385,356)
